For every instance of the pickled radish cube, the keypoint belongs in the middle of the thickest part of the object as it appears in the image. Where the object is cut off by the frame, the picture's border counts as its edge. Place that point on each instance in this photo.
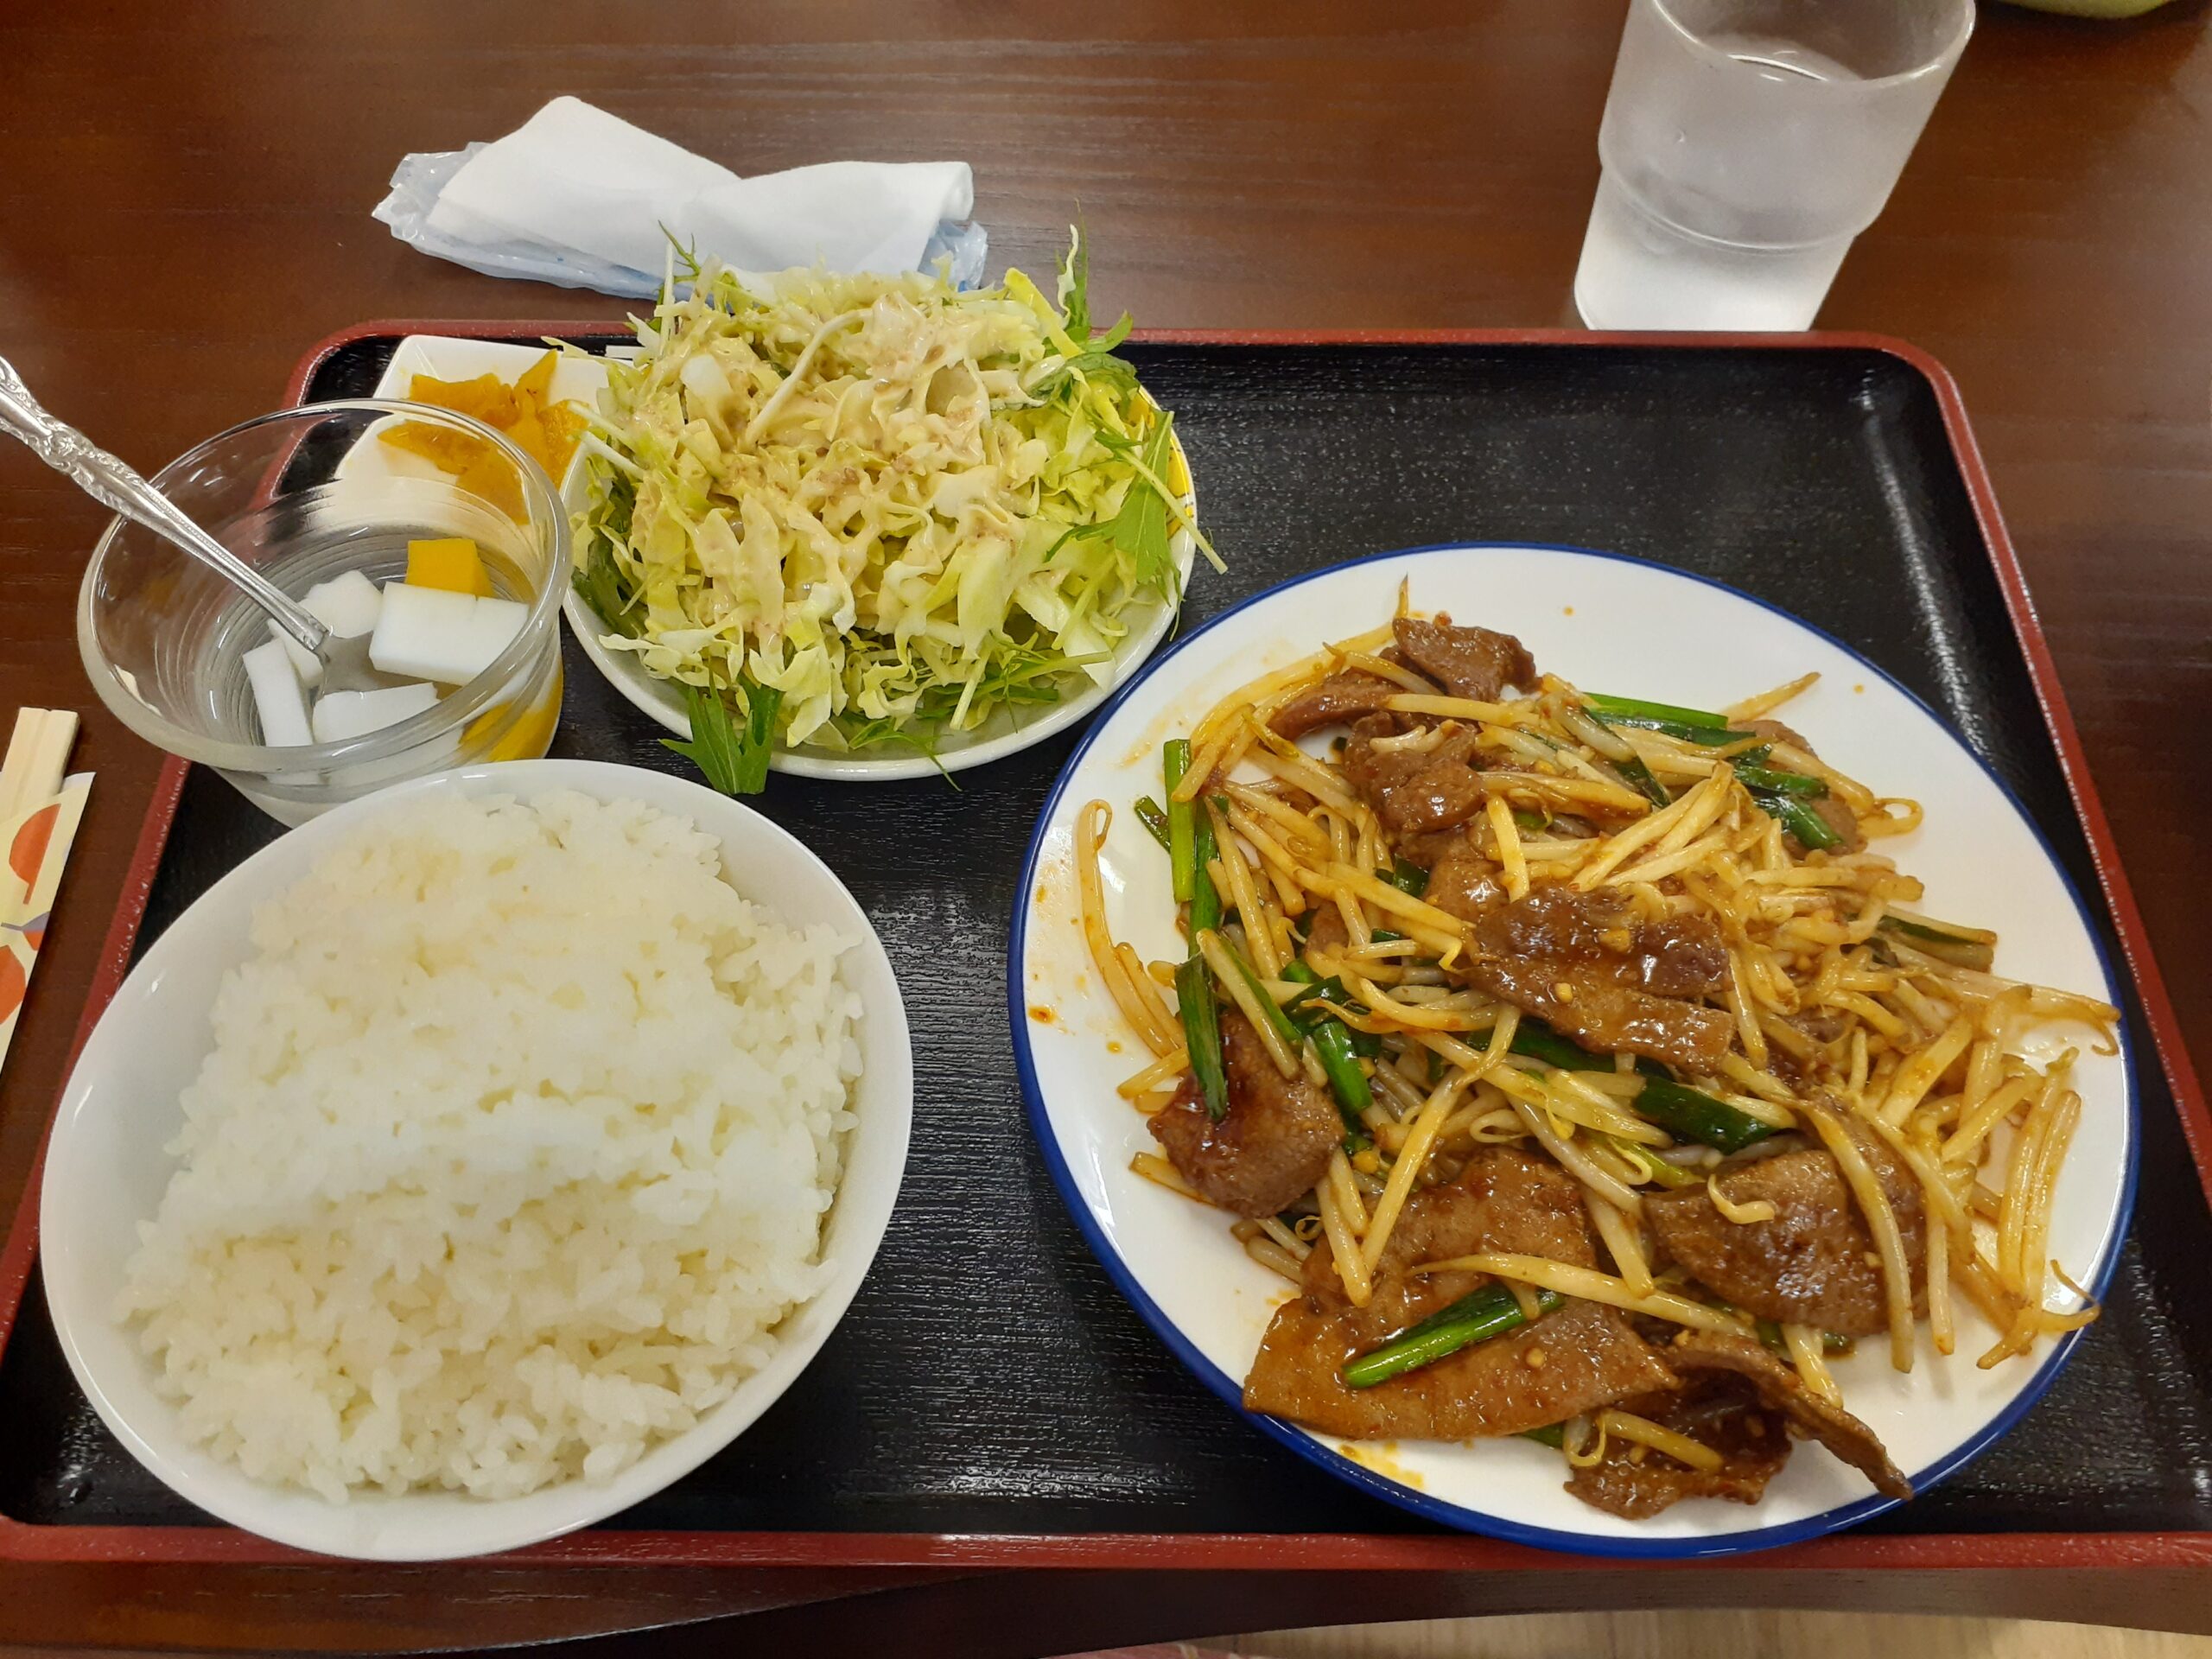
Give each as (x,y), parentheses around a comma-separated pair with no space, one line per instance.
(447,561)
(429,634)
(277,696)
(341,714)
(347,605)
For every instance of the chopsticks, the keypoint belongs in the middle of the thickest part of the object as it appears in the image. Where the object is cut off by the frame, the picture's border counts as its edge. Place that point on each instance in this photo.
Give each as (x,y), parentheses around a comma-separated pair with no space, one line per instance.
(38,751)
(40,809)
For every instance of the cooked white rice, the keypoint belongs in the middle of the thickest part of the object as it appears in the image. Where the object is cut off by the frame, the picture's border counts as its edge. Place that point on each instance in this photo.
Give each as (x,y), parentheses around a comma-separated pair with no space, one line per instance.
(514,1146)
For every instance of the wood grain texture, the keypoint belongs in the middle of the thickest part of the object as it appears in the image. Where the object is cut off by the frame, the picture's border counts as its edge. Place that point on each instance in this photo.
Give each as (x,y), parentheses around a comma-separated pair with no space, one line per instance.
(1681,1636)
(185,193)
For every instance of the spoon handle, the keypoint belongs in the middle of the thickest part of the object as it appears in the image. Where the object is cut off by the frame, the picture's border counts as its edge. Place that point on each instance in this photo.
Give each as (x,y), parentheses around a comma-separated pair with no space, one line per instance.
(113,484)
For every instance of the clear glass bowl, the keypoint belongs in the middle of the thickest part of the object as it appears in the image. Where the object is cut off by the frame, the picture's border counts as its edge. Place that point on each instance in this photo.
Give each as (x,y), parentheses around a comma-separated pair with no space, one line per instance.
(305,495)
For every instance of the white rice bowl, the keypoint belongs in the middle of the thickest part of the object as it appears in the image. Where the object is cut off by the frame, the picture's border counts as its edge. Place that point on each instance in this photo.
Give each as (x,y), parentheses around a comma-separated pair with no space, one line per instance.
(514,1147)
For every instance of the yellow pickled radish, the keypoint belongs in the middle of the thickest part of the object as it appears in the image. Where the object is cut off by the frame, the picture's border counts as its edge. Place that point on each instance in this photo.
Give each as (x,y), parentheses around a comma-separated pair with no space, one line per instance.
(450,563)
(529,737)
(547,432)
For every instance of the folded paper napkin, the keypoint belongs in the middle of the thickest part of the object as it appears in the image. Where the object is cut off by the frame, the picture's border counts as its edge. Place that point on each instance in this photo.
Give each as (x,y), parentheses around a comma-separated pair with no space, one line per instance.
(581,198)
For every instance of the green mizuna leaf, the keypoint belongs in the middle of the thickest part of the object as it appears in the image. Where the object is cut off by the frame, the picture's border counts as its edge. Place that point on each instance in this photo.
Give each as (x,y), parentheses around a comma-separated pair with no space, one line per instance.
(1093,360)
(1100,367)
(1075,287)
(600,583)
(1140,528)
(733,757)
(1143,528)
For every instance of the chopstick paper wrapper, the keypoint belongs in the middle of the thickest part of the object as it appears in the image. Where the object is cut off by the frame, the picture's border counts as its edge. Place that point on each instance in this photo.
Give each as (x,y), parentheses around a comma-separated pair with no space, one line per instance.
(40,824)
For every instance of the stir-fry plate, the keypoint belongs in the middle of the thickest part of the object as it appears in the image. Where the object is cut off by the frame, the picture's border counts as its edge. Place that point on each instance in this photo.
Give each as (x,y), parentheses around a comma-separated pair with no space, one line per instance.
(1611,624)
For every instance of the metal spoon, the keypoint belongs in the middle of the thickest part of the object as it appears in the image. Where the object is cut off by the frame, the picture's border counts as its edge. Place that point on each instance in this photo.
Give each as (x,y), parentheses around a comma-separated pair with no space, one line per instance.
(109,481)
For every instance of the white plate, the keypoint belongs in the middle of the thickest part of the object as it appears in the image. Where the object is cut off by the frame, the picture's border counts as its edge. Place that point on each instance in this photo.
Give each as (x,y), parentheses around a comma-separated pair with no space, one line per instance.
(106,1169)
(1008,731)
(1609,624)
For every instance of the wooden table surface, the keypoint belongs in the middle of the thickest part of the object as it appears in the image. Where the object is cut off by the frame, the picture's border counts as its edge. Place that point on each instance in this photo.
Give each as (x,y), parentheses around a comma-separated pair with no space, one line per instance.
(186,194)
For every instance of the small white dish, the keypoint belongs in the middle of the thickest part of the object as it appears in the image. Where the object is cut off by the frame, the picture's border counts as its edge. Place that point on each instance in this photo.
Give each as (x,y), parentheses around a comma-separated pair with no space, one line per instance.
(106,1169)
(1609,624)
(444,356)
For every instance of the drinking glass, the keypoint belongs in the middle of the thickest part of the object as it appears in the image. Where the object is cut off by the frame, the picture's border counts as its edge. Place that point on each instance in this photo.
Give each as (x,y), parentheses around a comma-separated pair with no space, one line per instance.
(1745,144)
(305,495)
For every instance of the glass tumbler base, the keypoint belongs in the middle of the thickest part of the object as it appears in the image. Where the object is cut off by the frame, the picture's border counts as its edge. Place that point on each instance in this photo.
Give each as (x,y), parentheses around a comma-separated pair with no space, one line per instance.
(1640,272)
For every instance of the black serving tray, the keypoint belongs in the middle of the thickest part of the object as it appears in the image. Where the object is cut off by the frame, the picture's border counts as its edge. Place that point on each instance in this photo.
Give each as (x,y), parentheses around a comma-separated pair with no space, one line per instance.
(989,1379)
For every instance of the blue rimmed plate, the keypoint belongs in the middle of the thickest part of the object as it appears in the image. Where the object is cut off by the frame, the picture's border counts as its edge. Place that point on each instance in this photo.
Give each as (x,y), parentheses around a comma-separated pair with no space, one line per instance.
(1611,624)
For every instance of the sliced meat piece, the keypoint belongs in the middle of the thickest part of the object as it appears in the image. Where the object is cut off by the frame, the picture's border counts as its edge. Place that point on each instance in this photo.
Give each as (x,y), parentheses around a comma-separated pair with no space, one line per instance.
(1786,1066)
(1714,1409)
(1337,700)
(1696,1351)
(1520,1204)
(1814,1262)
(1830,810)
(1437,1223)
(1472,662)
(1425,850)
(1462,881)
(1607,1017)
(1624,978)
(1774,730)
(1273,1144)
(1820,1027)
(1574,1359)
(1502,1200)
(1684,956)
(1412,791)
(1328,936)
(1579,1356)
(1841,819)
(1446,792)
(1564,924)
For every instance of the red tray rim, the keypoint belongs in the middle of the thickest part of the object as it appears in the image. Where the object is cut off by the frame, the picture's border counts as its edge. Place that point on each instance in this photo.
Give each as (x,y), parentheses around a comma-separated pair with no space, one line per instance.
(610,1547)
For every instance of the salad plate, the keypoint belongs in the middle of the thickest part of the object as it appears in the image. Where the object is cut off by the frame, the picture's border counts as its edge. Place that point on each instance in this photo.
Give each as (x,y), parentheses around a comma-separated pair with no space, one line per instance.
(933,526)
(1617,623)
(1008,731)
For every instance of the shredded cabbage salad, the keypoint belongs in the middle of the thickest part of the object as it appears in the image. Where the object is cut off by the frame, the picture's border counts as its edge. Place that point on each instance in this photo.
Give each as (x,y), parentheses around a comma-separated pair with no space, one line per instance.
(892,506)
